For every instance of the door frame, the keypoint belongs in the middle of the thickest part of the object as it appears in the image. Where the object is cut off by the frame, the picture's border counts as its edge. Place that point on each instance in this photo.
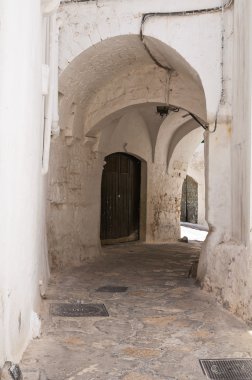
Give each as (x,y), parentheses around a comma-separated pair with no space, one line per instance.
(143,193)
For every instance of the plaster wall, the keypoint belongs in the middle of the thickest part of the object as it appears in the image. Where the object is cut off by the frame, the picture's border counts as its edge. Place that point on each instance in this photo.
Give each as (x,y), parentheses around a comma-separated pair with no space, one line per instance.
(75,188)
(166,189)
(225,264)
(73,215)
(22,226)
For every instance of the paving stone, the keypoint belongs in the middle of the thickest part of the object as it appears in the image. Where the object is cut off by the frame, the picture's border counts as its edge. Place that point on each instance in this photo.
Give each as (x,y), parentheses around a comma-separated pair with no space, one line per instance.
(34,375)
(160,321)
(156,331)
(137,376)
(141,352)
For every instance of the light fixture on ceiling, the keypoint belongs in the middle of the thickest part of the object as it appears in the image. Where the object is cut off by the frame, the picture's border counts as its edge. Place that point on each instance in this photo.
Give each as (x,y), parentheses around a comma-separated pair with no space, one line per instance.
(163,111)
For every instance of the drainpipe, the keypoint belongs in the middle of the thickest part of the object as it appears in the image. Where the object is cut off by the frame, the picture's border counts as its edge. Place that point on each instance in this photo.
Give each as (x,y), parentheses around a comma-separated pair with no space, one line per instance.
(49,100)
(51,107)
(55,117)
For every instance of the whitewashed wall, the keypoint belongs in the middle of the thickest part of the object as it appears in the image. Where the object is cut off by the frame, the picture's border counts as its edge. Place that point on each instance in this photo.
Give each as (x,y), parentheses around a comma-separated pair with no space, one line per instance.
(225,266)
(86,71)
(23,247)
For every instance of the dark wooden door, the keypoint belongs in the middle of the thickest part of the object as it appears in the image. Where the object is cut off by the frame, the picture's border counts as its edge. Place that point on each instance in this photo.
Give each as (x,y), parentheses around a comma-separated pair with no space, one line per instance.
(189,201)
(120,199)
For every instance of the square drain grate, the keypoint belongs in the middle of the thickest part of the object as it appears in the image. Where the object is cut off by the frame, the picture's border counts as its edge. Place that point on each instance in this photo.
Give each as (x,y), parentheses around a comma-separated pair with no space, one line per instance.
(225,369)
(79,310)
(112,289)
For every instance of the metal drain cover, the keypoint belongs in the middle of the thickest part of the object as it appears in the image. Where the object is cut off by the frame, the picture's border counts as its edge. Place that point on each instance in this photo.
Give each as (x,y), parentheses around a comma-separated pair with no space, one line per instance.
(224,369)
(79,310)
(112,289)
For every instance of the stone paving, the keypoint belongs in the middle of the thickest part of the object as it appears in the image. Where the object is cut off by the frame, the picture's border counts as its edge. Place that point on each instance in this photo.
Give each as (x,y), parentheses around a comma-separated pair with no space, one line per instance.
(157,330)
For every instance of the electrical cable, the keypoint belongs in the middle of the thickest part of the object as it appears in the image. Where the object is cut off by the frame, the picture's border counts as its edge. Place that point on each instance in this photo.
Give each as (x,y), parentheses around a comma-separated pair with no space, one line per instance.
(204,126)
(194,12)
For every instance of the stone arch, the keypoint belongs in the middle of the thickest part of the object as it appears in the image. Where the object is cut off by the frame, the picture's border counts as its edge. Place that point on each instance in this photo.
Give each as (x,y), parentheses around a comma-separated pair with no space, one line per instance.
(183,143)
(122,74)
(126,130)
(110,84)
(184,34)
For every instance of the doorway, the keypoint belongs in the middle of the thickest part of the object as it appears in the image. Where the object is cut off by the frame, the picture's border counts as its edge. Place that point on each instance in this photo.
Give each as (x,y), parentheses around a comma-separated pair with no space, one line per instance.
(120,199)
(189,201)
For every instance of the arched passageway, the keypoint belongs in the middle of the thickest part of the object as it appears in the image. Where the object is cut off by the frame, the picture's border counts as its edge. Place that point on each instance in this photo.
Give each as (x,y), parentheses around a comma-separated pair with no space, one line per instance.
(110,93)
(109,80)
(113,106)
(118,66)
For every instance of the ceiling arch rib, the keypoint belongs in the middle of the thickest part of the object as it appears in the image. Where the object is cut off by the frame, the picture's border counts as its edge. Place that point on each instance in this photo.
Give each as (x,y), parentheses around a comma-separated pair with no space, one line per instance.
(118,73)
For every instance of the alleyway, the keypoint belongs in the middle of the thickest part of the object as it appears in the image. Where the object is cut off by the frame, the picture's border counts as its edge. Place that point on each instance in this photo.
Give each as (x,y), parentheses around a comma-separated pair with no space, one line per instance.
(156,330)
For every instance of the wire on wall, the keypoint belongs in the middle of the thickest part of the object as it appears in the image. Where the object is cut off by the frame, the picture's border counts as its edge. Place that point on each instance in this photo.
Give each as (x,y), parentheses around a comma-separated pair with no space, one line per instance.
(194,12)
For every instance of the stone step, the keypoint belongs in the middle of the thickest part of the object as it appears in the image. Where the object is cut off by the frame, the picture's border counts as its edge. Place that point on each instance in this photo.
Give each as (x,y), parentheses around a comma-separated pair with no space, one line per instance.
(34,375)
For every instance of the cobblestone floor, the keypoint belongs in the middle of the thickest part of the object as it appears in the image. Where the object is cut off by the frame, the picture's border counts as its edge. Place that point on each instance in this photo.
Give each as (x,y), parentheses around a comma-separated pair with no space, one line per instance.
(157,330)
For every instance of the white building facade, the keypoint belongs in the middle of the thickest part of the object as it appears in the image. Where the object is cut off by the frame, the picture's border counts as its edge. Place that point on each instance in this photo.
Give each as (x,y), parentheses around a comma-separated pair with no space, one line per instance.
(102,68)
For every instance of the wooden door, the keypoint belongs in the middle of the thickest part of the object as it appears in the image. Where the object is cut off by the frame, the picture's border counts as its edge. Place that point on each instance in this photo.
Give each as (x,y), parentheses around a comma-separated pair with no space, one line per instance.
(189,201)
(120,199)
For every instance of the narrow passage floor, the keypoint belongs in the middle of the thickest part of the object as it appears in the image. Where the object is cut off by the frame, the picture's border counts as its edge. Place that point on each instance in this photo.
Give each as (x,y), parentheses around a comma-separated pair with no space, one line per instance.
(156,330)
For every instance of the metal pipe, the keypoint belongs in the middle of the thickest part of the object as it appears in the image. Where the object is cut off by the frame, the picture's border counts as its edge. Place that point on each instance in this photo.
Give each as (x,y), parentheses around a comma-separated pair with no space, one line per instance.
(194,12)
(55,117)
(50,99)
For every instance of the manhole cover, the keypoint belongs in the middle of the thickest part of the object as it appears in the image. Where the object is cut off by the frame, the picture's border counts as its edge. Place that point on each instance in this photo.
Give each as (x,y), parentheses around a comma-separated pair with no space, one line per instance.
(224,369)
(79,310)
(112,289)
